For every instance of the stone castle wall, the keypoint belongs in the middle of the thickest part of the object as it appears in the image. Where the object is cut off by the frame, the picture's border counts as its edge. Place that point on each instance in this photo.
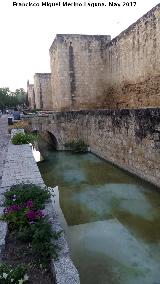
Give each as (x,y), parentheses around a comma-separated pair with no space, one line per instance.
(128,138)
(43,91)
(31,95)
(93,72)
(77,69)
(133,61)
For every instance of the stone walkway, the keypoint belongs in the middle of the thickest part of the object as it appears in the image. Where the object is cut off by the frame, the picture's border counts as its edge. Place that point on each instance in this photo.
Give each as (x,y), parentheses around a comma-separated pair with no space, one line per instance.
(4,139)
(20,166)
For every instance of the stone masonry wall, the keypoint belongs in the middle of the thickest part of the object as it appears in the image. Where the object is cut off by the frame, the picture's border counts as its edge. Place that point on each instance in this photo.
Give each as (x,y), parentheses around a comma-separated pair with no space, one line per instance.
(43,92)
(93,72)
(128,138)
(133,61)
(77,69)
(31,95)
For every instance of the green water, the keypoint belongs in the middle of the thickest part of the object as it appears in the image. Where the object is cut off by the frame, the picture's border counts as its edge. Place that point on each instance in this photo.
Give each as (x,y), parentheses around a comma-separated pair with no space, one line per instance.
(113,219)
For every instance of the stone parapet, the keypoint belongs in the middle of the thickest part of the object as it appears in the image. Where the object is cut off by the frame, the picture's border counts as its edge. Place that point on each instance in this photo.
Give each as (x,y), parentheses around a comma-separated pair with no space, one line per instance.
(128,138)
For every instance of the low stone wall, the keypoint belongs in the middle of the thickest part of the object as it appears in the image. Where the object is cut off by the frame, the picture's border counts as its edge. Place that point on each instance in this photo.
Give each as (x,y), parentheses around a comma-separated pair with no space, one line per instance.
(127,138)
(20,167)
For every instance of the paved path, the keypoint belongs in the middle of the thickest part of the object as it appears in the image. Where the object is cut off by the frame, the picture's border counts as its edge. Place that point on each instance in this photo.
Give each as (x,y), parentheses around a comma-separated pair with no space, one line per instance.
(4,139)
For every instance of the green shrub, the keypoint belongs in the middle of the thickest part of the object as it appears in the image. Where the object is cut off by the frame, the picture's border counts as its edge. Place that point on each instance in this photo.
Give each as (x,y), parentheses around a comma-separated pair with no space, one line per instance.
(77,146)
(16,217)
(25,215)
(23,205)
(40,235)
(23,138)
(21,193)
(10,275)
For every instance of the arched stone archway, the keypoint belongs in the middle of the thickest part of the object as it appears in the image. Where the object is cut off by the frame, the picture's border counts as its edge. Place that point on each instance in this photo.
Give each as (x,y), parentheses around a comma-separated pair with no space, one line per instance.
(53,131)
(53,140)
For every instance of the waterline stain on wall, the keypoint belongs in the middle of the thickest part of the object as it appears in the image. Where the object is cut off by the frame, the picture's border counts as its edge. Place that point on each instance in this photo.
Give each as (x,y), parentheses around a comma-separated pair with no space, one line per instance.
(127,138)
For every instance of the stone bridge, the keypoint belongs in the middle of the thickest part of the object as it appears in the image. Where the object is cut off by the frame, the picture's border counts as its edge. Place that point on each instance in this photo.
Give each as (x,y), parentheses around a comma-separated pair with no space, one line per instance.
(128,138)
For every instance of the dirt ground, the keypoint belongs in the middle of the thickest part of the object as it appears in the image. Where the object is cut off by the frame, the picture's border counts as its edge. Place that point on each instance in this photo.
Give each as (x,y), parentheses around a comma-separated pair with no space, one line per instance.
(17,252)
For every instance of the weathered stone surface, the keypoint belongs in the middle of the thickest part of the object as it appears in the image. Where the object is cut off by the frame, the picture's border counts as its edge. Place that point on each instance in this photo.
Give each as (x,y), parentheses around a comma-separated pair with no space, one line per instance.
(31,95)
(77,70)
(43,91)
(95,72)
(66,272)
(61,242)
(63,267)
(20,167)
(128,138)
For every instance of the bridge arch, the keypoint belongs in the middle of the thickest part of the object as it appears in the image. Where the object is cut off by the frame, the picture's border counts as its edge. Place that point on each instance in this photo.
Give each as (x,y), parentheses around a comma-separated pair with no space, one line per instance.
(53,130)
(53,140)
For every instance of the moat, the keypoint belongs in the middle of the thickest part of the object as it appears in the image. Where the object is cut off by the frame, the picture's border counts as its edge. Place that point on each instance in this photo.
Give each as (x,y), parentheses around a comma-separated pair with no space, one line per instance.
(113,224)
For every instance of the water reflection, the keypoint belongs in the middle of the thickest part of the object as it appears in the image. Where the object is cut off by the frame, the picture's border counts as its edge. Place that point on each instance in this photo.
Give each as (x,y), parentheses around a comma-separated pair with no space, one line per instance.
(124,258)
(113,219)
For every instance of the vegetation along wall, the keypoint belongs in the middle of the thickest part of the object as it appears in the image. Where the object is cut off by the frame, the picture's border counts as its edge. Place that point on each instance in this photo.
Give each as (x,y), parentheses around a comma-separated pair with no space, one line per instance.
(128,138)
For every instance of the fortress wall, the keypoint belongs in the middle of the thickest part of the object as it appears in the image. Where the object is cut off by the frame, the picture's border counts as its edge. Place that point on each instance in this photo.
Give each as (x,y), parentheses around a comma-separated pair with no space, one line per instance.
(133,64)
(43,91)
(93,72)
(77,69)
(30,93)
(59,76)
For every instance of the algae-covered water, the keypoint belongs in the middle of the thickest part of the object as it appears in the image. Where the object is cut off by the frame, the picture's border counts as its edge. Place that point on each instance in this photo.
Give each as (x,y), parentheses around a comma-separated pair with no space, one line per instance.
(113,219)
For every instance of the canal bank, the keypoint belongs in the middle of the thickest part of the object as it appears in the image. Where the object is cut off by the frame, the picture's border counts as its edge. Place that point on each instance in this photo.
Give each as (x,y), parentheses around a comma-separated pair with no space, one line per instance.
(112,219)
(128,138)
(21,167)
